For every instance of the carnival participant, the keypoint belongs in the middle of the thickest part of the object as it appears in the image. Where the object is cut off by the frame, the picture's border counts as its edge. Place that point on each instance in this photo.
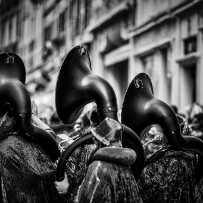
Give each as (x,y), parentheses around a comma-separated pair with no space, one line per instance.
(27,150)
(109,169)
(76,165)
(82,87)
(172,171)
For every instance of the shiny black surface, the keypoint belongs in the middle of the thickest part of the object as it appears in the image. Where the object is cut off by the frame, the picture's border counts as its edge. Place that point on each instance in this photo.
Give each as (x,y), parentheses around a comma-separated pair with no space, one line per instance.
(12,67)
(141,109)
(13,92)
(77,86)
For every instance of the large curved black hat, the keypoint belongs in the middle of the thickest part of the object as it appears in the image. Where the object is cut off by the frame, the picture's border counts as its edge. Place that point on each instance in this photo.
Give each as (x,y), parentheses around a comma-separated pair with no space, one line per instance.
(12,79)
(141,109)
(12,67)
(13,92)
(77,86)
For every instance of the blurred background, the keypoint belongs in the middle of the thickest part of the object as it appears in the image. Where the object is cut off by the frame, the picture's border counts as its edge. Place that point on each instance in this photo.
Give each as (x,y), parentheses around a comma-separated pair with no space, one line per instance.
(124,37)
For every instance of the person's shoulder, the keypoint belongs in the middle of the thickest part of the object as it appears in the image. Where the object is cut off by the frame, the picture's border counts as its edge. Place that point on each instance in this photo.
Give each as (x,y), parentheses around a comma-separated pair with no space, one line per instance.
(11,142)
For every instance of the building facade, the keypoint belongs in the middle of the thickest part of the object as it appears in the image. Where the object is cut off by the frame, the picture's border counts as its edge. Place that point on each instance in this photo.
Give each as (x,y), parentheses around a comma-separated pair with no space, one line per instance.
(167,44)
(160,38)
(124,37)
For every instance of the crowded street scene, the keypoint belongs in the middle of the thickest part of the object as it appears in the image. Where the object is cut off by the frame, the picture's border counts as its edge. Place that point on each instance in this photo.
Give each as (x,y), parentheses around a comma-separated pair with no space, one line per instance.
(101,101)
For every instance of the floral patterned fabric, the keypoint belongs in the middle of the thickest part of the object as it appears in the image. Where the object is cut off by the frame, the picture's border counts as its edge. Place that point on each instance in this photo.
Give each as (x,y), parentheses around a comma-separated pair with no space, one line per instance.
(76,168)
(169,179)
(169,175)
(27,174)
(199,192)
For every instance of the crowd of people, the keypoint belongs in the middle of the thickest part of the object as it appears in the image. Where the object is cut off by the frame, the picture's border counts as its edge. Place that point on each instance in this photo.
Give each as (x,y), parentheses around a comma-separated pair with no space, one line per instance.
(99,157)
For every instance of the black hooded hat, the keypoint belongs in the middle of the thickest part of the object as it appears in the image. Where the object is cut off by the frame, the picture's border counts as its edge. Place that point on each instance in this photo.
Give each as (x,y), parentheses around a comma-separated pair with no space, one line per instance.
(141,109)
(77,86)
(13,92)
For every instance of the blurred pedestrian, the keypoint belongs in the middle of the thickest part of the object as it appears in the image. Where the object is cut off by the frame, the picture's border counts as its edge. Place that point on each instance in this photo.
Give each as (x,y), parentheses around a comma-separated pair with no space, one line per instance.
(194,117)
(194,109)
(45,113)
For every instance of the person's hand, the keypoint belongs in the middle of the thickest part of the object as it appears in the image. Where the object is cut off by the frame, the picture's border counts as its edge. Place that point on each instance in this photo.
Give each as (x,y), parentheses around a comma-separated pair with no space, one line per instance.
(62,186)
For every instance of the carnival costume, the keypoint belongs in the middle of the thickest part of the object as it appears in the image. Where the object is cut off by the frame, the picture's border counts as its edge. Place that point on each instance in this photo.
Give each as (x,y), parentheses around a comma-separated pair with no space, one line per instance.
(107,178)
(27,152)
(172,170)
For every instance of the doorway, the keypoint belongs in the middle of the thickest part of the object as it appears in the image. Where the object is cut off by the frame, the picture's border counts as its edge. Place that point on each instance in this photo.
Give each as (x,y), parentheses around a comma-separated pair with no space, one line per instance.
(188,85)
(117,76)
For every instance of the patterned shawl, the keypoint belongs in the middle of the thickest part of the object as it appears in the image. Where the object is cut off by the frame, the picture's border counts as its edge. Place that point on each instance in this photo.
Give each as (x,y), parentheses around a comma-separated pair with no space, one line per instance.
(27,174)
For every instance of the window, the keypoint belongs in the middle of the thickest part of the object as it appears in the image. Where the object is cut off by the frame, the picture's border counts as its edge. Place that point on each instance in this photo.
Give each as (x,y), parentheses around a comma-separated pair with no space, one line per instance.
(31,61)
(48,33)
(148,64)
(75,17)
(62,22)
(10,30)
(32,46)
(2,33)
(87,13)
(190,45)
(200,16)
(78,17)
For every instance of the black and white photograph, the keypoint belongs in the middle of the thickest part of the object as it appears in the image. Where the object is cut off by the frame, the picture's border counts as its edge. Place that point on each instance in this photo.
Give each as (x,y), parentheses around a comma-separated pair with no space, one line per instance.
(101,101)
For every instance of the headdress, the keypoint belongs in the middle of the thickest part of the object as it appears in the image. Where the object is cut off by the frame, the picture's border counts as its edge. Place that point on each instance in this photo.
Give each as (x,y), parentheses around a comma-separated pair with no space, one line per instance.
(142,109)
(13,91)
(76,86)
